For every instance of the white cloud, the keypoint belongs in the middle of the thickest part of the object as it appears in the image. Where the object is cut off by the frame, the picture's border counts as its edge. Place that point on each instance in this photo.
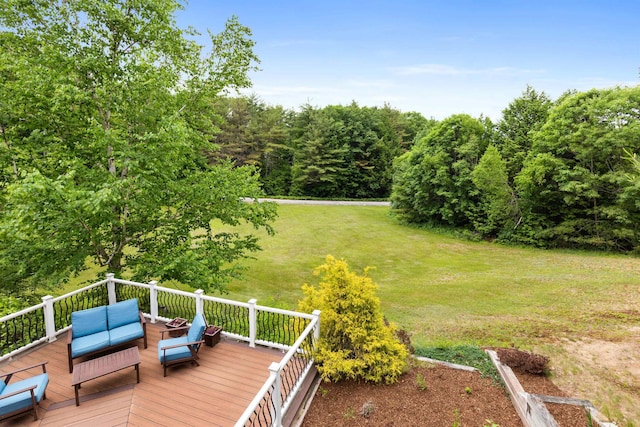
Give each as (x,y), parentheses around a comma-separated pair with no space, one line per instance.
(371,83)
(288,90)
(451,71)
(294,42)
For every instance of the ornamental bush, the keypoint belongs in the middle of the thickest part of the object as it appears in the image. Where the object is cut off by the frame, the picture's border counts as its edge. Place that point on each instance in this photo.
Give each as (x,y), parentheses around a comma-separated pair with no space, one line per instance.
(355,343)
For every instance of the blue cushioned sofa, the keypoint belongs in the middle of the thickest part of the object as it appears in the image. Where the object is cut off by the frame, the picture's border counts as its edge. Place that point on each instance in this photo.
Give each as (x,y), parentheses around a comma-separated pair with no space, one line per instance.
(100,328)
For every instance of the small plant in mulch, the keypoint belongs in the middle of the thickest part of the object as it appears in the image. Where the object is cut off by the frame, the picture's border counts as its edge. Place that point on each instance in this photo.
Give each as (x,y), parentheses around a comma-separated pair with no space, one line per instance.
(349,414)
(456,418)
(524,361)
(367,409)
(323,391)
(468,390)
(421,383)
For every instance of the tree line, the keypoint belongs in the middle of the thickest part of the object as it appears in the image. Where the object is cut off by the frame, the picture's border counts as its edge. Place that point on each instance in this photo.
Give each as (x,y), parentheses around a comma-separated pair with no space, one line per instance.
(331,152)
(548,173)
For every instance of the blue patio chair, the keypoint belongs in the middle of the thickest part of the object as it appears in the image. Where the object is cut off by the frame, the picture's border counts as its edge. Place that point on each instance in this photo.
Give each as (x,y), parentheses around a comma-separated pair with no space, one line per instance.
(23,395)
(173,351)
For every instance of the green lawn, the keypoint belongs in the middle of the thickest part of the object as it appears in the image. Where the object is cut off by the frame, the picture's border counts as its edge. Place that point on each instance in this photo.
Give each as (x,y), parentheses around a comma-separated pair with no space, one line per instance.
(442,289)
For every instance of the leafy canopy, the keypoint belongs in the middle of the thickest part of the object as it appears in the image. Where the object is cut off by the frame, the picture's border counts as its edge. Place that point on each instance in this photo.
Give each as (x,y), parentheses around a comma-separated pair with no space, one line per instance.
(105,119)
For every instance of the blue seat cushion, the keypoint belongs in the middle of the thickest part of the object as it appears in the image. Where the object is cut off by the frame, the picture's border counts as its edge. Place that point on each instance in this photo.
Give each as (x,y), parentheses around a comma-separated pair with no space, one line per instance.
(23,400)
(197,328)
(123,313)
(89,343)
(125,333)
(89,322)
(173,353)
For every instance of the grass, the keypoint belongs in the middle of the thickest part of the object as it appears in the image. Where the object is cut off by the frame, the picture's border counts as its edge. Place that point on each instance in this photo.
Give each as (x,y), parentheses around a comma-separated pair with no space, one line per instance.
(443,290)
(449,292)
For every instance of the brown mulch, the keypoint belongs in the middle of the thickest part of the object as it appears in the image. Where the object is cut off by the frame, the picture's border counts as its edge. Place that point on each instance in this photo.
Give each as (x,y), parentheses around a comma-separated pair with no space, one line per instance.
(451,397)
(565,415)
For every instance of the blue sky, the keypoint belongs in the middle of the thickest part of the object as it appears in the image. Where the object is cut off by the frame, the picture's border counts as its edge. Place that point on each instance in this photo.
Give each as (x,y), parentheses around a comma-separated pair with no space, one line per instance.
(435,57)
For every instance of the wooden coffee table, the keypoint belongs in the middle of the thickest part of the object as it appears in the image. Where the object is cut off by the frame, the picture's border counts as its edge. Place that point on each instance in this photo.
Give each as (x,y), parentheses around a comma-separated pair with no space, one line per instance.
(95,368)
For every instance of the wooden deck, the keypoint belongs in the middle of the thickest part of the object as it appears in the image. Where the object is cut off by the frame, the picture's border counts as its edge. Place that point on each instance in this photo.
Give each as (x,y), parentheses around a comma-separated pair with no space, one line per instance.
(216,393)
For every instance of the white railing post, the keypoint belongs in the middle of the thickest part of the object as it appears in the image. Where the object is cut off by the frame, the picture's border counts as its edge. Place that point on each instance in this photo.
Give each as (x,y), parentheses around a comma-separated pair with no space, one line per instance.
(199,306)
(316,331)
(111,289)
(49,318)
(252,322)
(276,397)
(153,300)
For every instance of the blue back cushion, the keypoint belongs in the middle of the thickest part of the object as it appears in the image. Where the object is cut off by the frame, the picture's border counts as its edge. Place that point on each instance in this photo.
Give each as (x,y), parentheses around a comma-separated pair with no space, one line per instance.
(2,386)
(197,328)
(123,313)
(90,321)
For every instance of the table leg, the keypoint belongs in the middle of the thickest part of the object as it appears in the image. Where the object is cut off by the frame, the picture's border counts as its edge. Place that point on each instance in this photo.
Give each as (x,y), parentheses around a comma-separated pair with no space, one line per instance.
(138,372)
(76,387)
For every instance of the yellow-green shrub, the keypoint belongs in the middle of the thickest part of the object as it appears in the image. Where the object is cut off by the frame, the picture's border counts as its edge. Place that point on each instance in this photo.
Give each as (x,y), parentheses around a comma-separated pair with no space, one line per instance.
(355,343)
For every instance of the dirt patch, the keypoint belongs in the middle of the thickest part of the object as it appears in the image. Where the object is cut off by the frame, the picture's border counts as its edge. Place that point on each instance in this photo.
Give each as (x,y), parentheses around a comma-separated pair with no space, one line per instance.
(619,358)
(597,369)
(431,396)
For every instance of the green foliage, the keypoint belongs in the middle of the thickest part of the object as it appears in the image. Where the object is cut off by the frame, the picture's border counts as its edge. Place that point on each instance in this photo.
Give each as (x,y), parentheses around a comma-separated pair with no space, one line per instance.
(12,304)
(349,414)
(555,174)
(355,342)
(456,418)
(574,184)
(524,116)
(347,151)
(105,132)
(421,383)
(433,183)
(253,133)
(319,156)
(467,355)
(498,204)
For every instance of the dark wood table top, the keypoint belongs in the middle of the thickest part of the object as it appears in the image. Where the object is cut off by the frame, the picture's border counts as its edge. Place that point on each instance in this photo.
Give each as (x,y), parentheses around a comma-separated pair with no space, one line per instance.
(104,365)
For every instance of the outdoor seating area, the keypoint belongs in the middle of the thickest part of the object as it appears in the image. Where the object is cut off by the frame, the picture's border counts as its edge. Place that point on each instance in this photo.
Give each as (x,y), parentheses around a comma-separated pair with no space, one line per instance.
(250,352)
(216,394)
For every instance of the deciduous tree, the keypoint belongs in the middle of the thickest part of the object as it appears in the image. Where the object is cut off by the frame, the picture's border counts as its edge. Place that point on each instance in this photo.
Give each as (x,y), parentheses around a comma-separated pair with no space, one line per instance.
(433,182)
(105,119)
(574,185)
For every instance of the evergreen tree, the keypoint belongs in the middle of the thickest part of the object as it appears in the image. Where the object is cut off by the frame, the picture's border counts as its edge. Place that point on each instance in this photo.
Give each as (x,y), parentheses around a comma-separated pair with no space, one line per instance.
(355,343)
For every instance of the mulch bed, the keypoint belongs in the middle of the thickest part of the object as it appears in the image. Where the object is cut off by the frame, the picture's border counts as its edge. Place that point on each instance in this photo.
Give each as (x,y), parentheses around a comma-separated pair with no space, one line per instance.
(431,396)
